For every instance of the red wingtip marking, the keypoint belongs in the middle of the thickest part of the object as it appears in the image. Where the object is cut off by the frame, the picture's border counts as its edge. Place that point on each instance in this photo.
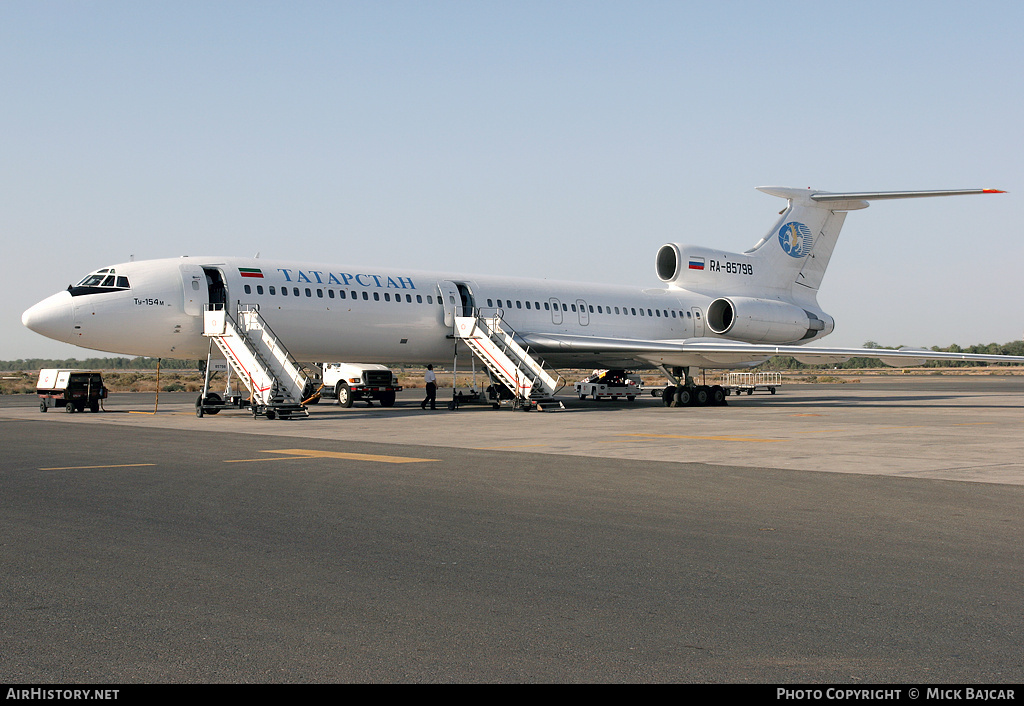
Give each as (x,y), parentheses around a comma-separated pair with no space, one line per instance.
(992,191)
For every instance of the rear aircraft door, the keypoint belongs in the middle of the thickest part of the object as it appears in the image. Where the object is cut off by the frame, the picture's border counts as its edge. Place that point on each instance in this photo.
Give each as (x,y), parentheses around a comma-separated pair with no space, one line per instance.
(698,322)
(556,311)
(451,300)
(466,297)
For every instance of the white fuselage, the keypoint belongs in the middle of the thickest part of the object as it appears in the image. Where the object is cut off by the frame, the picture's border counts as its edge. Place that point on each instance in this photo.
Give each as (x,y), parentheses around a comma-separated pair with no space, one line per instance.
(331,312)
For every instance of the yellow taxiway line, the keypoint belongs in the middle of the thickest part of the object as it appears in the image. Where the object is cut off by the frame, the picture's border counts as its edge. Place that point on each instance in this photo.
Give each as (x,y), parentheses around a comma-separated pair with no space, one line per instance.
(294,454)
(79,468)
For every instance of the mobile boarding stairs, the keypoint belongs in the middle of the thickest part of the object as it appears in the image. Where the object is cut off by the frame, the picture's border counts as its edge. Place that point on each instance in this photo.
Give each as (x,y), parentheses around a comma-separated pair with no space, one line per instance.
(493,342)
(257,356)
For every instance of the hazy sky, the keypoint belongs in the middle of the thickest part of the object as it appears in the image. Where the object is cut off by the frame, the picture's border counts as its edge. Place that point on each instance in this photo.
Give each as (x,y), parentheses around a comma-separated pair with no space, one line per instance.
(566,140)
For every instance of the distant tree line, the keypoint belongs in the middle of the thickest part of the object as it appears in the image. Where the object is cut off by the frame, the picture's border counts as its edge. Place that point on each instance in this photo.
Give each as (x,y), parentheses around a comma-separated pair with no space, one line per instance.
(102,364)
(1011,348)
(776,363)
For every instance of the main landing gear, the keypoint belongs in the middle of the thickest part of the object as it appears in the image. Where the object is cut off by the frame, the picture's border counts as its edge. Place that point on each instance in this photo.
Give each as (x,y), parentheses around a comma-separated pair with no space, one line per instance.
(689,393)
(695,395)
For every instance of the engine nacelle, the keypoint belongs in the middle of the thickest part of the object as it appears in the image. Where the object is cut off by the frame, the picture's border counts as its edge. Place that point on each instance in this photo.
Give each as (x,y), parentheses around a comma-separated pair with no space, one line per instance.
(696,267)
(764,320)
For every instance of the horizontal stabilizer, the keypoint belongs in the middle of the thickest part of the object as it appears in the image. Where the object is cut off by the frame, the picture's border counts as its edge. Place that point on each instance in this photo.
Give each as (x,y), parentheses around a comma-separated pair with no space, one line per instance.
(883,195)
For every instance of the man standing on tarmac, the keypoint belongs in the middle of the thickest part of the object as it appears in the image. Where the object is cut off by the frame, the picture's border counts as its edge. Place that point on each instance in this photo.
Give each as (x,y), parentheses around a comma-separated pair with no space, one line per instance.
(431,380)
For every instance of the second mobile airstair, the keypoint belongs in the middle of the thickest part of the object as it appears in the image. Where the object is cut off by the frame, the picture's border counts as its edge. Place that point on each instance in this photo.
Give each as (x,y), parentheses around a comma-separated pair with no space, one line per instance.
(493,342)
(259,358)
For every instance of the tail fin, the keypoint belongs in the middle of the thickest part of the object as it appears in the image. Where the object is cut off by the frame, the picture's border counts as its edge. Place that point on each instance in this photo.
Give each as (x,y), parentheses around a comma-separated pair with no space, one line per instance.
(796,251)
(790,261)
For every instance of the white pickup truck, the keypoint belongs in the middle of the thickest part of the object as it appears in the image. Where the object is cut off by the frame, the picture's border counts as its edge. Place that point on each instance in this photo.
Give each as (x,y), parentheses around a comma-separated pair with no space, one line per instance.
(349,382)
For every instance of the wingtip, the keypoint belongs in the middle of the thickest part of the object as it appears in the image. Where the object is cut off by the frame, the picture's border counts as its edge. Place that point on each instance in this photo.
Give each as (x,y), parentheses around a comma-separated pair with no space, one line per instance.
(992,191)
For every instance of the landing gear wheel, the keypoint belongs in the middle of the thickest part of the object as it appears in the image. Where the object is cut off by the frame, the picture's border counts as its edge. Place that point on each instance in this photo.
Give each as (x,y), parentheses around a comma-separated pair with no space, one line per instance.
(701,396)
(717,395)
(685,398)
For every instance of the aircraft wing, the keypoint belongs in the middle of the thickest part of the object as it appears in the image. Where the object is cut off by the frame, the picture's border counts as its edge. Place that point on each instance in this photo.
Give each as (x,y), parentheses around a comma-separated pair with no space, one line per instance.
(590,351)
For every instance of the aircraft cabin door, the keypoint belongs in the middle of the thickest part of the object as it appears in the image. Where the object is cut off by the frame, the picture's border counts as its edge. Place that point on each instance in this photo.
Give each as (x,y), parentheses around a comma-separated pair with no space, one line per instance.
(216,288)
(451,300)
(556,311)
(698,322)
(194,289)
(466,297)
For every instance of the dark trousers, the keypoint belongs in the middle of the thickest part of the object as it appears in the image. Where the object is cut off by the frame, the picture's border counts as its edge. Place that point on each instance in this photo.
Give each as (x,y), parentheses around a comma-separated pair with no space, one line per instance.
(431,396)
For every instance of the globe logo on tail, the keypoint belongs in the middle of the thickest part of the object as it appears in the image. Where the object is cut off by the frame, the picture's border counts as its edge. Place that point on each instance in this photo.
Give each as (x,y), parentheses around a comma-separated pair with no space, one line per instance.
(795,239)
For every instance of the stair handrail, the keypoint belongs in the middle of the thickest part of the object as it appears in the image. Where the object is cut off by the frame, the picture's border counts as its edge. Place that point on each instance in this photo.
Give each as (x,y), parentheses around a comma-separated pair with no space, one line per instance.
(275,343)
(504,327)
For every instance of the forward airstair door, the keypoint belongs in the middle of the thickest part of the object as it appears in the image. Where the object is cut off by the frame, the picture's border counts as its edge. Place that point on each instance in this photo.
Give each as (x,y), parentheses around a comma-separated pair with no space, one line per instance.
(194,289)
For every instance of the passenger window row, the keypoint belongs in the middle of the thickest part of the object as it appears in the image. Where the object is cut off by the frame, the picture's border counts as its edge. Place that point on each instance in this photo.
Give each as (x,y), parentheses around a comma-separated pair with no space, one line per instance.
(623,311)
(339,294)
(491,303)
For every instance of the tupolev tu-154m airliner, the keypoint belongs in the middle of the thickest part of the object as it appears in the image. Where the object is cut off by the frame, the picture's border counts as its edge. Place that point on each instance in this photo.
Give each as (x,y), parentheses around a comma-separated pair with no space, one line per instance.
(714,309)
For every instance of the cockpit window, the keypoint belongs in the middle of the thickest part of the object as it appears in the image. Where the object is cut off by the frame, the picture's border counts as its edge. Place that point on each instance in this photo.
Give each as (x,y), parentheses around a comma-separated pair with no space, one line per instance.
(99,282)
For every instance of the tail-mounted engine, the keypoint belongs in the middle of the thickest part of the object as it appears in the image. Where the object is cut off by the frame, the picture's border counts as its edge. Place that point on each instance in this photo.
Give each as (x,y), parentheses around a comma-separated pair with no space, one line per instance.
(765,320)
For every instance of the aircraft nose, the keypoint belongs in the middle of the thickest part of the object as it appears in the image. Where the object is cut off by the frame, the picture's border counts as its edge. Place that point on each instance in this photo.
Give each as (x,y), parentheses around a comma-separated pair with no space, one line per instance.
(53,317)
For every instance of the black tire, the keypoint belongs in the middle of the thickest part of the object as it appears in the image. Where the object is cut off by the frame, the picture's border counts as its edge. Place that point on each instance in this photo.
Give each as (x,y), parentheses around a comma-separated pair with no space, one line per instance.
(344,395)
(213,401)
(69,408)
(42,406)
(701,396)
(717,395)
(685,397)
(387,399)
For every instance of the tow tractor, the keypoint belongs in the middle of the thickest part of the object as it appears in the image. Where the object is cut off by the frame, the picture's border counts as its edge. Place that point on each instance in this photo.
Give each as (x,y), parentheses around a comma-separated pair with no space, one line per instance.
(609,385)
(74,390)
